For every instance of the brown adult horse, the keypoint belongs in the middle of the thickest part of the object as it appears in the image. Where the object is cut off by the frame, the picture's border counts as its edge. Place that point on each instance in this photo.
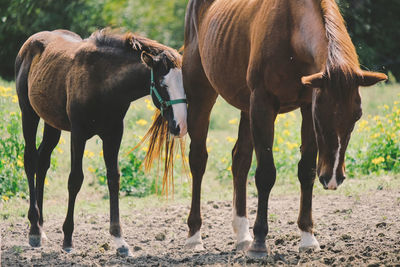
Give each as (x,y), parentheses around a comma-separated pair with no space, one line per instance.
(267,57)
(86,87)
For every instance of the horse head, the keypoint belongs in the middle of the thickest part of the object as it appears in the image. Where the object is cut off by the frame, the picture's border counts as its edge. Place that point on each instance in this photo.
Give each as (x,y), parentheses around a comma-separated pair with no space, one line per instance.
(167,91)
(336,107)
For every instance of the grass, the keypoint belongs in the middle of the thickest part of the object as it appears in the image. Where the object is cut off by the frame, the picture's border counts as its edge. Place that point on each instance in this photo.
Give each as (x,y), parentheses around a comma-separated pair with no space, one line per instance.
(217,182)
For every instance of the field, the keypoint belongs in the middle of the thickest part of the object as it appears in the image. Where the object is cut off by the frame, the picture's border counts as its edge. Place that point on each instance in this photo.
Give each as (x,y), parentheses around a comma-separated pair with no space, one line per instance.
(357,224)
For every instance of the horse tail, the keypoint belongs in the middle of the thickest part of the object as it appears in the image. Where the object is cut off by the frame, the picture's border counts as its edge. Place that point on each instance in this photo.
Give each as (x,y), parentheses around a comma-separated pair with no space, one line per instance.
(26,55)
(194,13)
(162,146)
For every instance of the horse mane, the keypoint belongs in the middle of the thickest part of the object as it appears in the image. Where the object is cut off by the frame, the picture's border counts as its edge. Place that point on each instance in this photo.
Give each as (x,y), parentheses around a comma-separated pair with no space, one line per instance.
(114,38)
(342,63)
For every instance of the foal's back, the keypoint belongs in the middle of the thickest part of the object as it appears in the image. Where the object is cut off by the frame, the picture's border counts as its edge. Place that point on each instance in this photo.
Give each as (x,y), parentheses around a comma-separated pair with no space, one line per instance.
(43,64)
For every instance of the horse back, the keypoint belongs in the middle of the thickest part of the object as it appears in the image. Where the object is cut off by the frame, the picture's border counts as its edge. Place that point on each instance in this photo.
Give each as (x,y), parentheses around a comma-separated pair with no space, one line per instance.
(42,67)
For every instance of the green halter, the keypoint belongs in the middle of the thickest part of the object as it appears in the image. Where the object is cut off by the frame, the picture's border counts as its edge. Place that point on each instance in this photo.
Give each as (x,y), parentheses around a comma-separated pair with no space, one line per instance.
(163,104)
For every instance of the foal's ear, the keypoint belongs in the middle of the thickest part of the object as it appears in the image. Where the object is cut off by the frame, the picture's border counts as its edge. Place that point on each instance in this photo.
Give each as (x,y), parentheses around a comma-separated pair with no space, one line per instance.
(368,78)
(313,81)
(147,59)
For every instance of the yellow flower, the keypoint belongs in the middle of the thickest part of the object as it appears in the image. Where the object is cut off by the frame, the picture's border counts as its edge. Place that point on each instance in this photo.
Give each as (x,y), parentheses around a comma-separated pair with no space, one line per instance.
(46,181)
(230,139)
(14,98)
(362,124)
(60,150)
(145,149)
(279,140)
(150,107)
(141,122)
(12,113)
(5,198)
(229,168)
(276,149)
(376,135)
(62,140)
(88,154)
(286,132)
(20,163)
(233,121)
(209,149)
(101,153)
(385,106)
(147,101)
(291,145)
(378,160)
(91,169)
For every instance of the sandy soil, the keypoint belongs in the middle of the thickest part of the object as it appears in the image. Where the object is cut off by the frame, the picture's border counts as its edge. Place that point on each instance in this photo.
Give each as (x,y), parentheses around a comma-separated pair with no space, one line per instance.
(353,231)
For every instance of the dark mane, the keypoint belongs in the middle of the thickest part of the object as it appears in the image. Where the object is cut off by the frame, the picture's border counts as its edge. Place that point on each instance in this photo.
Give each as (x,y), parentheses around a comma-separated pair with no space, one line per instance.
(342,63)
(112,38)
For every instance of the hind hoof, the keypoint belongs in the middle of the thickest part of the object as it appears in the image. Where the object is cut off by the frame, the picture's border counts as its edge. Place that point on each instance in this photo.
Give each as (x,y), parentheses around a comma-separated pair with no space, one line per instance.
(194,246)
(244,245)
(124,252)
(257,250)
(35,241)
(68,249)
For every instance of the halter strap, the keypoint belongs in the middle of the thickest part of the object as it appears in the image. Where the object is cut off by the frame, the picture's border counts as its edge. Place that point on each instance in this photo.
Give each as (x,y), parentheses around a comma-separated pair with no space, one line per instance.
(163,104)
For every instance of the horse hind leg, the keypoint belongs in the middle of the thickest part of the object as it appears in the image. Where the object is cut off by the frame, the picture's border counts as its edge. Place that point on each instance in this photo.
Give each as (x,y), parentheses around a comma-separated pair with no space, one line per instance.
(30,121)
(51,136)
(242,155)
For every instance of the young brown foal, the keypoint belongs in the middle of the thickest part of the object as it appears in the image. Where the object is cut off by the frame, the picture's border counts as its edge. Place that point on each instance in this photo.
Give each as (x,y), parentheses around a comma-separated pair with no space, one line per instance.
(86,87)
(267,57)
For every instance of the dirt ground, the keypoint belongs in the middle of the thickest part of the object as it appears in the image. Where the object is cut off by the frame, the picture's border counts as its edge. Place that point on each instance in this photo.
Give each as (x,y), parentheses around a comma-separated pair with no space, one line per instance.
(352,230)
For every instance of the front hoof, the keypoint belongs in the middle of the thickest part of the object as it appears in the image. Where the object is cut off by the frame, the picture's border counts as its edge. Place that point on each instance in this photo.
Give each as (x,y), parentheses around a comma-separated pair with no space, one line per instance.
(243,246)
(196,246)
(308,242)
(35,241)
(257,250)
(124,252)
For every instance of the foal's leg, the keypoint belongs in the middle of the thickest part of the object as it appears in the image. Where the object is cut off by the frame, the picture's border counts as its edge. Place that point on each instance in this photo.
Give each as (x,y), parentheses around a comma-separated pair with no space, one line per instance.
(111,145)
(49,142)
(263,112)
(198,121)
(242,154)
(306,173)
(74,185)
(30,122)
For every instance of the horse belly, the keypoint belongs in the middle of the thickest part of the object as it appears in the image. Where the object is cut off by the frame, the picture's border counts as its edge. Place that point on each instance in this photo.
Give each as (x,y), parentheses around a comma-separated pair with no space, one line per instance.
(47,94)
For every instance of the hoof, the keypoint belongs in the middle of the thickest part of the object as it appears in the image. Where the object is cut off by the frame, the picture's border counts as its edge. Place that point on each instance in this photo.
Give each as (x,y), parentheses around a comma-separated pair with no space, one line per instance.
(124,252)
(313,248)
(68,249)
(243,246)
(257,250)
(197,246)
(44,236)
(35,241)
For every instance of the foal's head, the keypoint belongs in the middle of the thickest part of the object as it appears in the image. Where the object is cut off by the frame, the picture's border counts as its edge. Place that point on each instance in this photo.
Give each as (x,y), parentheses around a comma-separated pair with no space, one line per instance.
(167,91)
(336,107)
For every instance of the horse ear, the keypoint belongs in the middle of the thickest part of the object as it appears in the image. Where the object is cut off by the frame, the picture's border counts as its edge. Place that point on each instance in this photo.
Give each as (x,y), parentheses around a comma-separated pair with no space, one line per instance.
(313,81)
(368,78)
(148,59)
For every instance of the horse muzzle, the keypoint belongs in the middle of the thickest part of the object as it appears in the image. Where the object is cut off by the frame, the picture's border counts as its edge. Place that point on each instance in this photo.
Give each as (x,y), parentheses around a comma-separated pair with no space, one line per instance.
(331,182)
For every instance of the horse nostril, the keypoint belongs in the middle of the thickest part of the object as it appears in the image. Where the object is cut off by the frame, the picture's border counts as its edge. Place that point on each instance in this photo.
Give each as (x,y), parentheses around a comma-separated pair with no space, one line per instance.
(340,179)
(324,181)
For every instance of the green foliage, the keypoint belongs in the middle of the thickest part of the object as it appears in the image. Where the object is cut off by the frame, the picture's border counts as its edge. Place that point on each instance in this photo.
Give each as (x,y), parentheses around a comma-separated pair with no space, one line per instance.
(133,181)
(375,30)
(12,177)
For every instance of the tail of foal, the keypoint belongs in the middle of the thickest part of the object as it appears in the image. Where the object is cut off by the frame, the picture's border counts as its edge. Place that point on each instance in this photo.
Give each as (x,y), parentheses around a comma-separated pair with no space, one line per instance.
(162,146)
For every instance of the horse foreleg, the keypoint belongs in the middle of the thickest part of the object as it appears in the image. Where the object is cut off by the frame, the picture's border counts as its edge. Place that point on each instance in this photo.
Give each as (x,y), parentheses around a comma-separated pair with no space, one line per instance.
(74,185)
(198,121)
(49,142)
(306,174)
(30,122)
(263,111)
(242,155)
(111,145)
